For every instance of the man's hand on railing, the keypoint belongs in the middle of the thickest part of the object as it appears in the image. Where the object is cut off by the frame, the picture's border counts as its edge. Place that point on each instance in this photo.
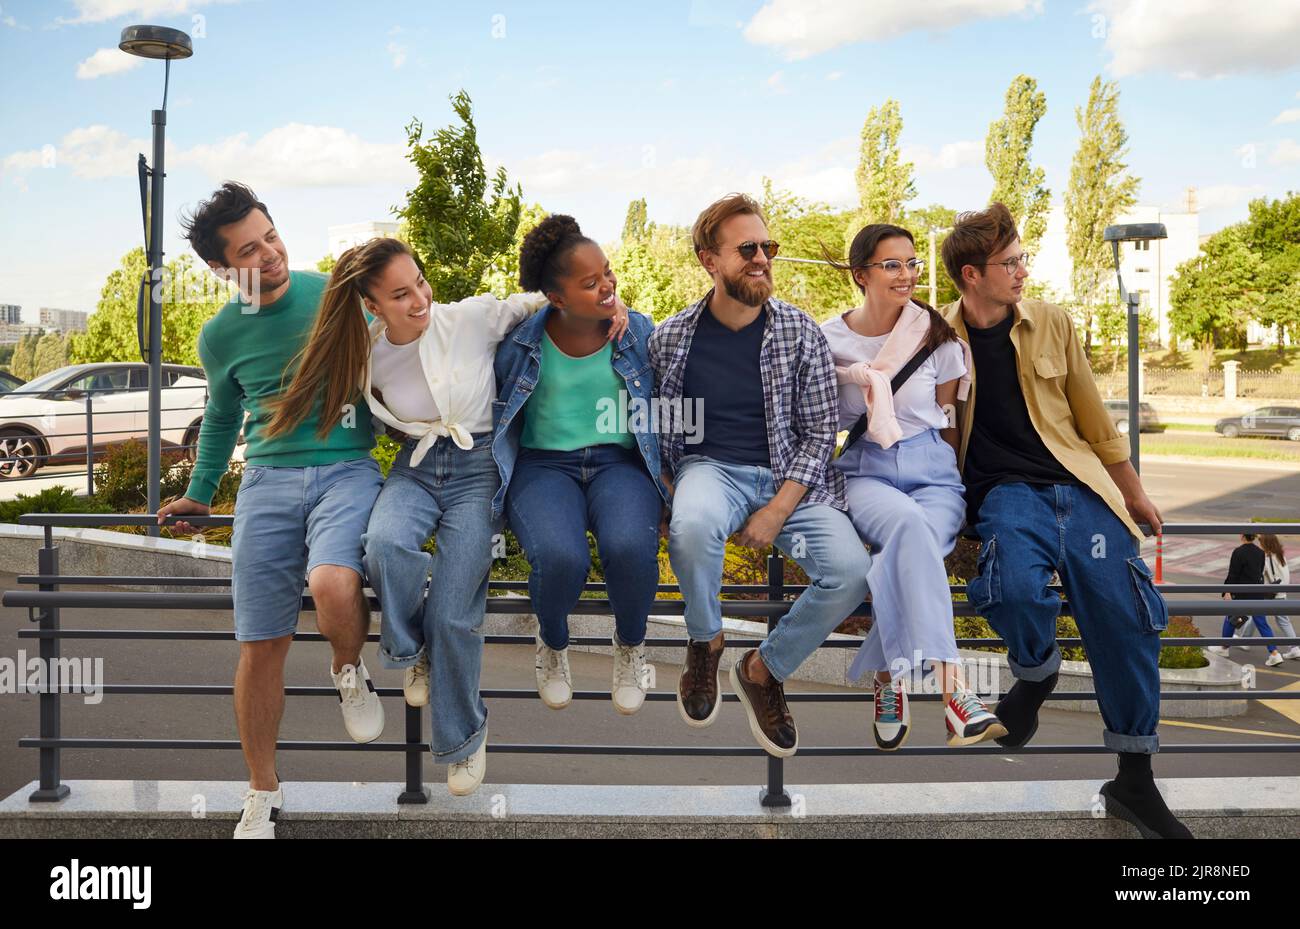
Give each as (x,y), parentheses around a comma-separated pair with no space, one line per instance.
(183,506)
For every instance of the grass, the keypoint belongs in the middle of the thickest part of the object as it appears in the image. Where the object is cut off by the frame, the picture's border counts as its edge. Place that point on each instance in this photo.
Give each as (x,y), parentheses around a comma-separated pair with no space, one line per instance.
(1187,427)
(1204,450)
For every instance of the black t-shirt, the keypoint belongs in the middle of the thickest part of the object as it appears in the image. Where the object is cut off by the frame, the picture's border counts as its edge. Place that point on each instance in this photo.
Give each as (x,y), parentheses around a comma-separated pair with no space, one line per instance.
(1246,566)
(722,371)
(1004,447)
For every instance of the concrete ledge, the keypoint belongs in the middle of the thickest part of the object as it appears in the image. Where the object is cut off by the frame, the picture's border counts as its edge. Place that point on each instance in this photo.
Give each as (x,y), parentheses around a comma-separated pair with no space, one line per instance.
(103,552)
(1238,807)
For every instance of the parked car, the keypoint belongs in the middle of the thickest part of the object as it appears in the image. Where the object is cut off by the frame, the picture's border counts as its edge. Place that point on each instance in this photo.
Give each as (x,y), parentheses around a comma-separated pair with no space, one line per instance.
(10,382)
(1282,421)
(1148,421)
(45,421)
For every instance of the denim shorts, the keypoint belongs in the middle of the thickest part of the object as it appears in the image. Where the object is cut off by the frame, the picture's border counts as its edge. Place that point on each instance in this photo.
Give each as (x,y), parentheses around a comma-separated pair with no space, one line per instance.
(287,522)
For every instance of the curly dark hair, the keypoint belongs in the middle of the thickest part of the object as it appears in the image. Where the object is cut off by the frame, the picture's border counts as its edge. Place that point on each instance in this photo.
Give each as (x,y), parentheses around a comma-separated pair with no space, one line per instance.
(543,257)
(228,204)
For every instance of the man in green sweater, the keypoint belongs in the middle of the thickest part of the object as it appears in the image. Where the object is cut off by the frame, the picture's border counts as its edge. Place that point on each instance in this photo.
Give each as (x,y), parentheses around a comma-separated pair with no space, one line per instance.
(304,502)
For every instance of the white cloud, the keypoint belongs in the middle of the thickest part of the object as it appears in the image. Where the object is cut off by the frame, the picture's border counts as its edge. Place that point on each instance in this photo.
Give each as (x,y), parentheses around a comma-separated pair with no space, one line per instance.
(1285,152)
(802,28)
(99,11)
(298,155)
(1198,38)
(397,53)
(107,61)
(950,156)
(294,155)
(1287,116)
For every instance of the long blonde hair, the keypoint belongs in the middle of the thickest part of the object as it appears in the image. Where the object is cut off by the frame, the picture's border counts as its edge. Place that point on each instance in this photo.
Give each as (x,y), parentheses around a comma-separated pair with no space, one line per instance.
(332,363)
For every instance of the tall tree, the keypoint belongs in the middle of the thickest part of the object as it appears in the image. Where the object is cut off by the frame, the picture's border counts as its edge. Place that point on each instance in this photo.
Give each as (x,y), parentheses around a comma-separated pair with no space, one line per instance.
(24,357)
(802,226)
(503,277)
(51,353)
(636,223)
(1100,191)
(1273,231)
(190,297)
(1016,181)
(885,182)
(457,221)
(919,222)
(1214,294)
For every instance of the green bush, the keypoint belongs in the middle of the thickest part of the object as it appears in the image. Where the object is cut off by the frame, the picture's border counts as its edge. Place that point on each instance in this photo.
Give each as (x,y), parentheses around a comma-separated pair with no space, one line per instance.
(122,477)
(1182,656)
(49,500)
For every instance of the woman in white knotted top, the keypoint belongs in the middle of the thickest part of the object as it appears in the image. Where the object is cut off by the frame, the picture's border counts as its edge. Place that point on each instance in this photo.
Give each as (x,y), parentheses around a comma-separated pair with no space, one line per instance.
(903,489)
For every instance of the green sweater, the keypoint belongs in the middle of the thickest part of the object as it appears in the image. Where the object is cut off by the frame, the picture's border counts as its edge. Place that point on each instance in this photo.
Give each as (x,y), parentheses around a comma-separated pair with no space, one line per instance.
(246,356)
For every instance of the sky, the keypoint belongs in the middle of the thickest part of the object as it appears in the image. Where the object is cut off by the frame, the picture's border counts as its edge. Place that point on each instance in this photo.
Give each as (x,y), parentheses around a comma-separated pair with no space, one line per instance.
(590,105)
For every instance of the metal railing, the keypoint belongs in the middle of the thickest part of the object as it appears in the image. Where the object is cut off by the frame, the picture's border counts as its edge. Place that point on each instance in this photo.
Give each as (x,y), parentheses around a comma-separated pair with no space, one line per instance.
(16,467)
(44,606)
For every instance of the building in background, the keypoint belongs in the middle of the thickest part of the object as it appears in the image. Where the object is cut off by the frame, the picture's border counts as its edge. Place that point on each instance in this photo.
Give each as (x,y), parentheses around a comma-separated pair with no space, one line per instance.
(11,314)
(64,320)
(342,238)
(11,334)
(1149,267)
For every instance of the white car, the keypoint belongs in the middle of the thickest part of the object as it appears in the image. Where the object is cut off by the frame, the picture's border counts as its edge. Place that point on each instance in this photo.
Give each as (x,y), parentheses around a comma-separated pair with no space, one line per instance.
(44,421)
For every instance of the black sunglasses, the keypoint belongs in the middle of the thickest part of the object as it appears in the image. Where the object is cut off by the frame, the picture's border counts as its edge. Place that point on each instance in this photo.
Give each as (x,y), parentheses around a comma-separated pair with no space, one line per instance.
(749,249)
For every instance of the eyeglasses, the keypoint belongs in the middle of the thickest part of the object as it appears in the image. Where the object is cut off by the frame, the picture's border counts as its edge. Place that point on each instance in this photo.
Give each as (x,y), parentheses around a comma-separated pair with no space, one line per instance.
(895,267)
(749,249)
(1011,265)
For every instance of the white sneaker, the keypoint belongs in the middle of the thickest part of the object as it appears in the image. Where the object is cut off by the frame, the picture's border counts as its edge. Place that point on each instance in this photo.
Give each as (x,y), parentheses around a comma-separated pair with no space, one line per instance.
(261,809)
(631,677)
(1218,650)
(1274,658)
(415,682)
(363,713)
(463,777)
(554,684)
(1292,652)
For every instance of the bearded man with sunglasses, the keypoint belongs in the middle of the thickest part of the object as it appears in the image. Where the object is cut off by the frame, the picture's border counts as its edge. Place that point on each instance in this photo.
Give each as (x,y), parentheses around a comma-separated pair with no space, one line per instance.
(760,372)
(1050,490)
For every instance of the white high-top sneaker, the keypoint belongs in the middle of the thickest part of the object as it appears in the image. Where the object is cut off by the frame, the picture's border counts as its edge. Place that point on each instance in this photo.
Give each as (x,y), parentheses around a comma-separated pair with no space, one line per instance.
(554,683)
(363,712)
(261,809)
(415,682)
(464,777)
(630,677)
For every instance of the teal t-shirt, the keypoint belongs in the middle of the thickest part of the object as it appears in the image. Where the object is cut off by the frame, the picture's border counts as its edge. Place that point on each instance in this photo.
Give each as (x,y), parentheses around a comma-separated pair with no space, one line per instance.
(575,403)
(246,356)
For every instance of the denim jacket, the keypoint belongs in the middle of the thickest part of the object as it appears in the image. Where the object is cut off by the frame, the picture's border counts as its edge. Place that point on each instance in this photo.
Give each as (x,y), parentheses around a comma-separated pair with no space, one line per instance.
(518,365)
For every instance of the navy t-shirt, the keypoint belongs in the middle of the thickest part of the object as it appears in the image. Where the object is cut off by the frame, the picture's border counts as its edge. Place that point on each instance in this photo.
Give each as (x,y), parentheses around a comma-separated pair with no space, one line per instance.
(1004,446)
(722,370)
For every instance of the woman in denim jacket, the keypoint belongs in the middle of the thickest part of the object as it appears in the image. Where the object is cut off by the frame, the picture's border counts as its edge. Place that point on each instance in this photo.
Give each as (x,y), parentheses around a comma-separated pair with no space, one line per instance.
(576,446)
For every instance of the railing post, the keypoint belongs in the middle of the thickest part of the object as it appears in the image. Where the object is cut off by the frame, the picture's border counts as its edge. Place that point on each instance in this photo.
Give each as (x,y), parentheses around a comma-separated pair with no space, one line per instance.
(774,795)
(90,446)
(415,791)
(50,790)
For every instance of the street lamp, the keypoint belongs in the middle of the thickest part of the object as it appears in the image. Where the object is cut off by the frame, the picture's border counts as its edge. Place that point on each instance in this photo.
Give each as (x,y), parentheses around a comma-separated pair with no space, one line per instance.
(1132,232)
(159,43)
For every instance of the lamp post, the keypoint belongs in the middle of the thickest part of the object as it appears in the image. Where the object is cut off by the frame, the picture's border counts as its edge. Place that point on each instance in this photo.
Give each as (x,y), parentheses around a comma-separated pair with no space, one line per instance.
(1132,232)
(164,44)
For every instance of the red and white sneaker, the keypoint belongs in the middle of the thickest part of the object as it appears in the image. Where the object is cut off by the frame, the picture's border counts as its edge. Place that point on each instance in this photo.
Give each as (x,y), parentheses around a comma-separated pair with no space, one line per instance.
(969,720)
(893,717)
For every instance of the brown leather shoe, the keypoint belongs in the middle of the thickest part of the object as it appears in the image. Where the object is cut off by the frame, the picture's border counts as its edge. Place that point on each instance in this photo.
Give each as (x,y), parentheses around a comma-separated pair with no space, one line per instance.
(769,717)
(698,688)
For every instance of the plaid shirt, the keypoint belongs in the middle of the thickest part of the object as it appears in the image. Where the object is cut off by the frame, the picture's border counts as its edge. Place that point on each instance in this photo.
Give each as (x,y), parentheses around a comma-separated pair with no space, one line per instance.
(798,386)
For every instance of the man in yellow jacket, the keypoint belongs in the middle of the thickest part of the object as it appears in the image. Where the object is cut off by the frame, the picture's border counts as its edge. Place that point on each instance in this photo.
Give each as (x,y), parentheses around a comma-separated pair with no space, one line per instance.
(1050,490)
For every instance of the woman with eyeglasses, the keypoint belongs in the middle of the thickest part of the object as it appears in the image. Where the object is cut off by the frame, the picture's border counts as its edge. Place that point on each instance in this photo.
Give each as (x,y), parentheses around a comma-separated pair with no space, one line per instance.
(900,368)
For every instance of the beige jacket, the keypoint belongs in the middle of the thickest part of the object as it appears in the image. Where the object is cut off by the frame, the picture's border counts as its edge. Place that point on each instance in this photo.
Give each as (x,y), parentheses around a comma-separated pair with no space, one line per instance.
(1063,401)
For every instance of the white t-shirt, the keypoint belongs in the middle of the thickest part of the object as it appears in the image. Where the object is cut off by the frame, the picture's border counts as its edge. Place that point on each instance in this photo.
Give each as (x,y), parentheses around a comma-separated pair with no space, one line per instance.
(396,373)
(914,405)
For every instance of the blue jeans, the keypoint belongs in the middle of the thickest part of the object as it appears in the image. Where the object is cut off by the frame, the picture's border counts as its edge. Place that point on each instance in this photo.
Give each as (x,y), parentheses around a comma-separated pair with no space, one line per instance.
(712,500)
(1261,624)
(450,496)
(553,500)
(1029,532)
